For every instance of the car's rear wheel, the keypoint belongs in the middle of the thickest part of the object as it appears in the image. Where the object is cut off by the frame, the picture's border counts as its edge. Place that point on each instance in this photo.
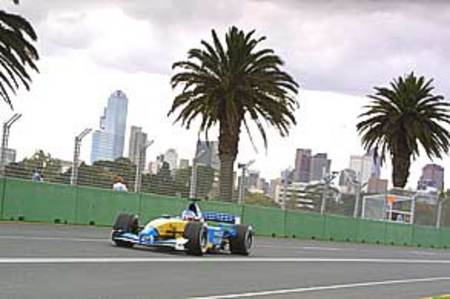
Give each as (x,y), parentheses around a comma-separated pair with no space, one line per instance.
(125,223)
(197,235)
(243,241)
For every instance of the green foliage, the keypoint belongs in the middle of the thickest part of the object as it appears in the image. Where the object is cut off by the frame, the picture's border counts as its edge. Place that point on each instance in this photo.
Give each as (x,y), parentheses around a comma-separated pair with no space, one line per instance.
(233,84)
(254,198)
(17,53)
(402,117)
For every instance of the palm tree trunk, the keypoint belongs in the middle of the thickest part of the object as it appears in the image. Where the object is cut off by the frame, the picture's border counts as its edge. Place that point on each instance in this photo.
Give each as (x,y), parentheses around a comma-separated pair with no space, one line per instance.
(401,163)
(226,177)
(228,149)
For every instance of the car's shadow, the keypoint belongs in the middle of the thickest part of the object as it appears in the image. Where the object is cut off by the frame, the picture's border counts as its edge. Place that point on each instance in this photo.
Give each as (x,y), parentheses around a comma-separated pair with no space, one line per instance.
(166,250)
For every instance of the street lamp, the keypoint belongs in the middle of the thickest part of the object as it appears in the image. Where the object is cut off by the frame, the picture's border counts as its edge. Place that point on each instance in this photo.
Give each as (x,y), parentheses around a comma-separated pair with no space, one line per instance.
(244,167)
(137,179)
(6,126)
(327,180)
(193,179)
(76,155)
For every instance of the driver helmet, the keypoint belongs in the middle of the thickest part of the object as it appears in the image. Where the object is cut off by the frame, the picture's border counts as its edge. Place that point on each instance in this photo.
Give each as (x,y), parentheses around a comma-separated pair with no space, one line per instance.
(188,215)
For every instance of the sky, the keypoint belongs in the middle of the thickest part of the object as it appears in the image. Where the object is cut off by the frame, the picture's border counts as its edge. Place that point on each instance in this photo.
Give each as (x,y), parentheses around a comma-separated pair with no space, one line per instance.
(337,51)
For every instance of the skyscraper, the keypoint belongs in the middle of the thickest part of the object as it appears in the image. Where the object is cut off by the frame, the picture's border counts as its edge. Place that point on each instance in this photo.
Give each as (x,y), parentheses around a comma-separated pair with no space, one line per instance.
(320,166)
(207,153)
(302,171)
(364,167)
(171,157)
(136,151)
(108,141)
(432,176)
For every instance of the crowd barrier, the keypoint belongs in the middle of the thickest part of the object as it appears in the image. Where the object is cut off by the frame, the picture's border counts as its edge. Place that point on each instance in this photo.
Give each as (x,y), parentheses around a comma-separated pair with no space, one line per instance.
(24,200)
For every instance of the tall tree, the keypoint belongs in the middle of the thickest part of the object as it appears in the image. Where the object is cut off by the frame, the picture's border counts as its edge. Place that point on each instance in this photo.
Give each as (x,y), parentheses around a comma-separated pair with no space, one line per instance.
(402,117)
(231,85)
(17,53)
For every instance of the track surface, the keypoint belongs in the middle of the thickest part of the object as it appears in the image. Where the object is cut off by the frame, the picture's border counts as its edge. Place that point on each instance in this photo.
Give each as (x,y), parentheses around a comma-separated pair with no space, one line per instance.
(57,261)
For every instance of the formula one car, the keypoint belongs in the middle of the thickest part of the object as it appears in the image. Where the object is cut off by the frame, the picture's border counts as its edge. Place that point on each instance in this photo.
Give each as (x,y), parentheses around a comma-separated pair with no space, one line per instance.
(194,232)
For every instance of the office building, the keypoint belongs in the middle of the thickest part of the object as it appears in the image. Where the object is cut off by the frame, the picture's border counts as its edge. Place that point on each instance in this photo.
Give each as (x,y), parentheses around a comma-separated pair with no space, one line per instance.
(171,157)
(320,167)
(136,151)
(108,140)
(302,171)
(432,177)
(207,153)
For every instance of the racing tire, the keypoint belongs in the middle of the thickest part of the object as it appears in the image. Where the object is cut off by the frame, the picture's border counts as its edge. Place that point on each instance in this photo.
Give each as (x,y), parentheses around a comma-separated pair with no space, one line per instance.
(127,223)
(242,243)
(197,235)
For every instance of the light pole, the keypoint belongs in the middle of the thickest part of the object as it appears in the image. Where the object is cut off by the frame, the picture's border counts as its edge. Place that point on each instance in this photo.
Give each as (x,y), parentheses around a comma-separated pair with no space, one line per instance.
(76,155)
(6,126)
(244,167)
(358,191)
(327,180)
(137,179)
(193,179)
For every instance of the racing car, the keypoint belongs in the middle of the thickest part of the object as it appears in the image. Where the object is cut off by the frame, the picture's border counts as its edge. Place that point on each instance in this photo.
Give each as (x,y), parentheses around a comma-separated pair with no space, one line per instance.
(193,232)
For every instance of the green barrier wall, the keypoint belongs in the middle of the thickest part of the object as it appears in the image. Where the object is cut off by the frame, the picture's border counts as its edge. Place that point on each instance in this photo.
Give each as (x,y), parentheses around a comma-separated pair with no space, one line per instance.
(398,234)
(153,206)
(35,201)
(304,225)
(265,221)
(46,202)
(99,206)
(370,231)
(339,228)
(2,196)
(444,240)
(426,236)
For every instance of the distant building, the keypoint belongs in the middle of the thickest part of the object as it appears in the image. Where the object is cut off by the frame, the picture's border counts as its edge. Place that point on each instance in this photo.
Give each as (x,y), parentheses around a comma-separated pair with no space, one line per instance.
(302,171)
(108,141)
(171,157)
(294,192)
(362,166)
(432,177)
(320,166)
(184,163)
(207,153)
(347,180)
(377,185)
(136,151)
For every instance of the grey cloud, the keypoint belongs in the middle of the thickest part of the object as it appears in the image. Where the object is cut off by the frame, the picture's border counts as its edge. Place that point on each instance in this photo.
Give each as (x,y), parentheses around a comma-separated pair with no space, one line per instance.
(346,46)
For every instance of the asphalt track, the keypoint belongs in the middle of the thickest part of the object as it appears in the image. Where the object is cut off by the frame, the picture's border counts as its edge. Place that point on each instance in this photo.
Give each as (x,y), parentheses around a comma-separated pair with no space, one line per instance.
(60,261)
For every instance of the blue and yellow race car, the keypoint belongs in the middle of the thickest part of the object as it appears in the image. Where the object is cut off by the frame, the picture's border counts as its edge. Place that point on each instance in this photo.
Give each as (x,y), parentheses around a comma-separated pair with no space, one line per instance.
(194,232)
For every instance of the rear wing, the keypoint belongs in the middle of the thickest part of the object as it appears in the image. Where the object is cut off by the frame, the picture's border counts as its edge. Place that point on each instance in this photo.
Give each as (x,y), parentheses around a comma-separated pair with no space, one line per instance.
(221,217)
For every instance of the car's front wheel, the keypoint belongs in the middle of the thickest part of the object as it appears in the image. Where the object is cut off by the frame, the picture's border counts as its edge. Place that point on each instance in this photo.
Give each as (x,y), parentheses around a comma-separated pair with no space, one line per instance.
(197,235)
(125,223)
(243,241)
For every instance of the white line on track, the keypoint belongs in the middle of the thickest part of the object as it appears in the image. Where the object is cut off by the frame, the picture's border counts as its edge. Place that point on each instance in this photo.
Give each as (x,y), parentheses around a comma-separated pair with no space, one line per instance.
(313,248)
(323,288)
(52,239)
(97,260)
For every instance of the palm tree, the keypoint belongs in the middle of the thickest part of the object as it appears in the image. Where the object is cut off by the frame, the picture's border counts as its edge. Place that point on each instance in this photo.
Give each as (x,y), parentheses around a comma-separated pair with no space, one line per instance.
(16,53)
(231,86)
(402,117)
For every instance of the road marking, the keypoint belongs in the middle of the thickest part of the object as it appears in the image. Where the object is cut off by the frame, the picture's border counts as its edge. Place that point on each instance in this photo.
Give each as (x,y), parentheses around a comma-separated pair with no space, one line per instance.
(230,259)
(324,288)
(52,239)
